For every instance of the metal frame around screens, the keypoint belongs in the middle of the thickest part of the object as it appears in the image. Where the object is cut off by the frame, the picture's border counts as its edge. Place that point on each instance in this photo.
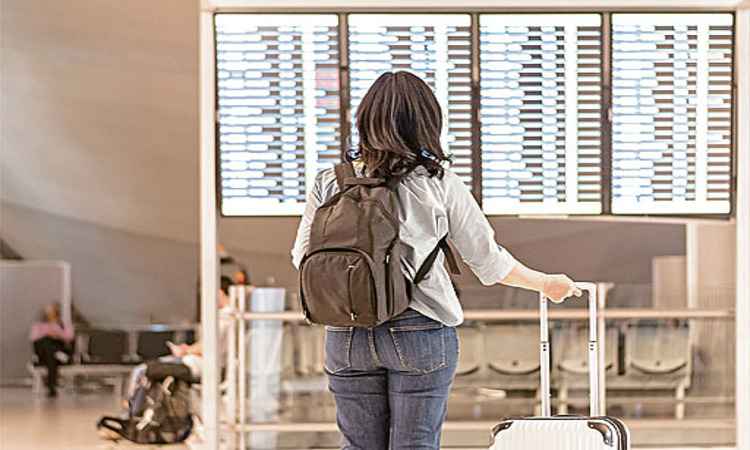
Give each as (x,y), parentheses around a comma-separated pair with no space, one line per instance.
(476,152)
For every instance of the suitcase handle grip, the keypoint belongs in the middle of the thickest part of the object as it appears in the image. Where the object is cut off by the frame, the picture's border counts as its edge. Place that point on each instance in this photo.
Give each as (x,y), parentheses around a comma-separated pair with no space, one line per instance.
(593,351)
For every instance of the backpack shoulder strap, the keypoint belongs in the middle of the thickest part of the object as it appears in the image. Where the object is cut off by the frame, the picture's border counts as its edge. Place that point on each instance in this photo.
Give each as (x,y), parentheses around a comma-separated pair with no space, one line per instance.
(114,424)
(343,171)
(449,257)
(393,182)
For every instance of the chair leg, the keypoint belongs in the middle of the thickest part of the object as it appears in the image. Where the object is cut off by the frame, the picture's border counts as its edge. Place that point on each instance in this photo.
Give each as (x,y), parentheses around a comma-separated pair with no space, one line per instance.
(477,410)
(679,409)
(562,398)
(117,383)
(36,382)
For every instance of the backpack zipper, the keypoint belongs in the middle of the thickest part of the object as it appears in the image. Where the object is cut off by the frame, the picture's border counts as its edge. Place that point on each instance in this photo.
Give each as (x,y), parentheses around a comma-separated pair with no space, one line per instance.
(349,270)
(388,294)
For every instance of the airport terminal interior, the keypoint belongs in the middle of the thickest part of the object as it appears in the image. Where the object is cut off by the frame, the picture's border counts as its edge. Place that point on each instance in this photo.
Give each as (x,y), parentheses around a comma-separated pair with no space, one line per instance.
(156,157)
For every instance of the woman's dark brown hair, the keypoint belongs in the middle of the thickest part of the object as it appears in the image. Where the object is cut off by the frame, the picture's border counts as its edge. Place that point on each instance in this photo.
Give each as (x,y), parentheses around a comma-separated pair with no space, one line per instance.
(399,122)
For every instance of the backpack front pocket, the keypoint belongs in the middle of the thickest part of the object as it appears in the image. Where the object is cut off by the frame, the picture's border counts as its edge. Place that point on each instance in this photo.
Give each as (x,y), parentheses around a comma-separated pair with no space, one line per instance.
(338,288)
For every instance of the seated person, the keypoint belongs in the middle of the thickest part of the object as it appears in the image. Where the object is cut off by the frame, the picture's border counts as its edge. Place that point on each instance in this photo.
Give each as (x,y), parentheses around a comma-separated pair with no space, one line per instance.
(191,354)
(230,267)
(233,269)
(52,340)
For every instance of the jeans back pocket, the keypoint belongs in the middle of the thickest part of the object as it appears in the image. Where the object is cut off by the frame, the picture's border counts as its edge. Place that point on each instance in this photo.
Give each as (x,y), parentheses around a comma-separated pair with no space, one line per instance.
(338,349)
(420,347)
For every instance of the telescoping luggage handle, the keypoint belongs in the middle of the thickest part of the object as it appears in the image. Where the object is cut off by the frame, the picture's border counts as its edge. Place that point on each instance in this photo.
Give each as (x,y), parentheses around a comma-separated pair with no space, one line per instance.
(593,352)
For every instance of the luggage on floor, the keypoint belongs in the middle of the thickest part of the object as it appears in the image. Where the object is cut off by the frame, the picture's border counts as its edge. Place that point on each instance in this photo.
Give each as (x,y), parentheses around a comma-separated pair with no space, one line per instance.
(568,432)
(159,412)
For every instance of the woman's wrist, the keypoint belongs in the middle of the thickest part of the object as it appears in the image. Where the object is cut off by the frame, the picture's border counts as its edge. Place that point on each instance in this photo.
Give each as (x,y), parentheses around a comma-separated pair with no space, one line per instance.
(523,277)
(540,281)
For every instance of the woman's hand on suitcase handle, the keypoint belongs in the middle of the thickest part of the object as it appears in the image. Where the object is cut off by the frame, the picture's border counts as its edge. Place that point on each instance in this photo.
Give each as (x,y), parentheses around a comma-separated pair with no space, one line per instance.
(555,287)
(558,287)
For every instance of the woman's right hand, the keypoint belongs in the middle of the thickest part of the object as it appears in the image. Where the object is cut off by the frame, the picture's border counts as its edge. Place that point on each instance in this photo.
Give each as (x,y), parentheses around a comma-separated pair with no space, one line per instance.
(558,287)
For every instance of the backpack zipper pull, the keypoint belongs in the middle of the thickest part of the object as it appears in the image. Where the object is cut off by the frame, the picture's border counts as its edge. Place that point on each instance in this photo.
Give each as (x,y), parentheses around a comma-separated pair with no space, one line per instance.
(353,316)
(387,258)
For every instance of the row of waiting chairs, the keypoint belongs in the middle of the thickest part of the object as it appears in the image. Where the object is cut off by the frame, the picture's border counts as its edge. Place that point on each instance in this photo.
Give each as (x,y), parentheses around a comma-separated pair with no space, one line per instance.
(641,356)
(637,357)
(128,346)
(647,349)
(650,349)
(108,354)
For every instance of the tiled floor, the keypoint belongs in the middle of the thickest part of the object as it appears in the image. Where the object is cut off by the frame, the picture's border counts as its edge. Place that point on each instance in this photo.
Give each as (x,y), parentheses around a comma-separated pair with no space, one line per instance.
(30,422)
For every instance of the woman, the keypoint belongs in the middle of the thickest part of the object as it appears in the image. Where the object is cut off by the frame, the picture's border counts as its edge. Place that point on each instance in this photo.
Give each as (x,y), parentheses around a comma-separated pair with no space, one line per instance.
(52,341)
(391,383)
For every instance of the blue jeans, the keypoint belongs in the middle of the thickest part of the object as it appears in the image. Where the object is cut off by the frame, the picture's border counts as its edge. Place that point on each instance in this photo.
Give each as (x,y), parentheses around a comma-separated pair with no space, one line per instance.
(391,383)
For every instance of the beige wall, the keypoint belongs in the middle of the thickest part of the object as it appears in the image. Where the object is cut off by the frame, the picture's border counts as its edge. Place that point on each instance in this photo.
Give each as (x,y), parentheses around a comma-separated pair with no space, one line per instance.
(711,262)
(669,278)
(99,149)
(100,112)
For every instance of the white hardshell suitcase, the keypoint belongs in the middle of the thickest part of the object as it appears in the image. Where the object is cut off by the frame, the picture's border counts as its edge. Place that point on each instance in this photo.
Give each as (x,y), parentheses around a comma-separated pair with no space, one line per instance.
(568,432)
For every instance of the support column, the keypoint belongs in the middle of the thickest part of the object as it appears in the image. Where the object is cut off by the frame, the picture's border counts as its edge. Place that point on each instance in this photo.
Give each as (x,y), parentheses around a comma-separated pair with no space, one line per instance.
(711,266)
(742,122)
(209,264)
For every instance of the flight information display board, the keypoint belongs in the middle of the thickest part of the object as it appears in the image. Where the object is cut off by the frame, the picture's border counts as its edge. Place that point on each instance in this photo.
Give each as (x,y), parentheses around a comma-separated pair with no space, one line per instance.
(278,108)
(541,113)
(540,120)
(672,113)
(437,48)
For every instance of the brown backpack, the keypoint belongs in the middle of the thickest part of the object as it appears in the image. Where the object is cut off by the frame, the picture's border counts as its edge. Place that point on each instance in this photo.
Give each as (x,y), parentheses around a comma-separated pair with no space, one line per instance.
(351,274)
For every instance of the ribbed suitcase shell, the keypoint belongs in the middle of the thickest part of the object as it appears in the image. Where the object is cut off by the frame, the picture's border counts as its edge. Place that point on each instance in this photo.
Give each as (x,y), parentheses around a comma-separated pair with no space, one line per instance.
(548,432)
(561,433)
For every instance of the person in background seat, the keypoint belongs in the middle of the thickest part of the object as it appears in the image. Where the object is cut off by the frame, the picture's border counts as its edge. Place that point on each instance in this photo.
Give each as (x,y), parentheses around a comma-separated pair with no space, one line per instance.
(191,354)
(230,269)
(52,340)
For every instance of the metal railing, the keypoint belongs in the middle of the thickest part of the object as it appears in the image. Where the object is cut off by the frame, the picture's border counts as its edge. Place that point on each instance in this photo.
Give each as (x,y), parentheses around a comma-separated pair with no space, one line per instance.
(236,421)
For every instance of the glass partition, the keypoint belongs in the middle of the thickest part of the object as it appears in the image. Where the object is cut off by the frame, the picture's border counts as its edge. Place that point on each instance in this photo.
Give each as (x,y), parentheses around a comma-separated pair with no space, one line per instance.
(668,317)
(669,374)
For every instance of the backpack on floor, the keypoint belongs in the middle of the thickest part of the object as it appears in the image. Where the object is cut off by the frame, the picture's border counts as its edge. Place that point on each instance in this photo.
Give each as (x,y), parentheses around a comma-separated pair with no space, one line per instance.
(159,411)
(351,274)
